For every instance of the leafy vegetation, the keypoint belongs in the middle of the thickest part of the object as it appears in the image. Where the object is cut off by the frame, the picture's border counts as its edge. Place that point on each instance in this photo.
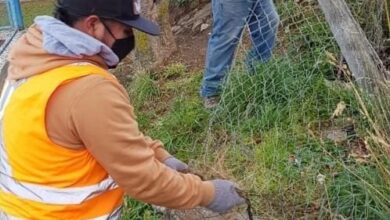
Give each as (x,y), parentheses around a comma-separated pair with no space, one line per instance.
(33,8)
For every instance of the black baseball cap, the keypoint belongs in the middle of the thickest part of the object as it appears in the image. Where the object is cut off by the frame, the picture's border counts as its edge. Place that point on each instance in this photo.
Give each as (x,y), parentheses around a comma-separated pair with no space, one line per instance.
(124,11)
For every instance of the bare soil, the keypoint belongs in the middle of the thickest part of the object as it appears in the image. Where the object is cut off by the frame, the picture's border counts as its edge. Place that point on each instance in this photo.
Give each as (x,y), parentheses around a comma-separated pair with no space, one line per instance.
(192,46)
(187,44)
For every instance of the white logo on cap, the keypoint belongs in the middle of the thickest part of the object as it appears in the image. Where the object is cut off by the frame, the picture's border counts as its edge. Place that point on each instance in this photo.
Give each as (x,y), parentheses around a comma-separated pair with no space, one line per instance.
(137,7)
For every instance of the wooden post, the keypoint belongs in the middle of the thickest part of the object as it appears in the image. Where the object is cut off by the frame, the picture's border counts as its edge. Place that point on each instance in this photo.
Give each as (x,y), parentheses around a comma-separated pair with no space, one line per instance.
(364,62)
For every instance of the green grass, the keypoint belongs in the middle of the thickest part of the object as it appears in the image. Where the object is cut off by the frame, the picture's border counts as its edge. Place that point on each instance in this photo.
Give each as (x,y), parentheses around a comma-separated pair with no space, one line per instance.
(174,71)
(276,106)
(34,8)
(4,21)
(274,117)
(360,194)
(143,89)
(277,94)
(30,10)
(168,109)
(136,211)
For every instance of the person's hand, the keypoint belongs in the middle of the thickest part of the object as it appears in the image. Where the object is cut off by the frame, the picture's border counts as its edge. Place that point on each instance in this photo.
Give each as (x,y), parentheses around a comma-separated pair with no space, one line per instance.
(176,164)
(226,197)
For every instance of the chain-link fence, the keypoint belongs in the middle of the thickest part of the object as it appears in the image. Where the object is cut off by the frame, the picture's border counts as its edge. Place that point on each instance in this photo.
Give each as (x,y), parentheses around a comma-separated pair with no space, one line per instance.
(11,21)
(4,16)
(298,133)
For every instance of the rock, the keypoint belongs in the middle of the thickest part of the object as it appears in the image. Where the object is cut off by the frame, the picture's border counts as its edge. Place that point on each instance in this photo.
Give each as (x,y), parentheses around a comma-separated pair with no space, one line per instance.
(321,179)
(198,20)
(203,13)
(184,20)
(337,136)
(204,27)
(181,30)
(176,28)
(196,25)
(194,20)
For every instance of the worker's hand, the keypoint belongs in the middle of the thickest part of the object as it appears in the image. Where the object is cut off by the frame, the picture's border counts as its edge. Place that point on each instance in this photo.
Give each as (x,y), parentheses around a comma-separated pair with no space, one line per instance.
(226,197)
(176,164)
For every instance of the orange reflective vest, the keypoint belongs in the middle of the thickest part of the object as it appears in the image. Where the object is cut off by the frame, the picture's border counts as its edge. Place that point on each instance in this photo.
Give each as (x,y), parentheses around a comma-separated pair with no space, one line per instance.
(38,178)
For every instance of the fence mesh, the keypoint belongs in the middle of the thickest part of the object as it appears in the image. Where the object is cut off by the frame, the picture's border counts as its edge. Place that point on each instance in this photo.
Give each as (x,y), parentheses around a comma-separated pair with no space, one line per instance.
(4,19)
(298,134)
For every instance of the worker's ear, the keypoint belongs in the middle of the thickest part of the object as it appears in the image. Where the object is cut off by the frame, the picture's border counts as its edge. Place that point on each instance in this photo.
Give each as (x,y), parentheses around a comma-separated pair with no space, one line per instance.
(94,27)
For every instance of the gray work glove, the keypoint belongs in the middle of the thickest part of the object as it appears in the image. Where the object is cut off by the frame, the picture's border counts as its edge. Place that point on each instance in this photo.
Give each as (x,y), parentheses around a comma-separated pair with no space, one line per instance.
(226,197)
(176,164)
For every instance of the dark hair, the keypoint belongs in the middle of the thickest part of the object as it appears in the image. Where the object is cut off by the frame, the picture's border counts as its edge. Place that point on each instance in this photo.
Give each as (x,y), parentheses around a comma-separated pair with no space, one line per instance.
(63,15)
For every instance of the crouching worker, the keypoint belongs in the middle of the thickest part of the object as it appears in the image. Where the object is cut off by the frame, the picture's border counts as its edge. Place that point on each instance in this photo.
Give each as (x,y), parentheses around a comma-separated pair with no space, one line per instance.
(70,145)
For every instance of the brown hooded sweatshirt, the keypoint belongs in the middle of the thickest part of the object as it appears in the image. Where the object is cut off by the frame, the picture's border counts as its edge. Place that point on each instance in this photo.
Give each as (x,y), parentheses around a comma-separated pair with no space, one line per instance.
(95,113)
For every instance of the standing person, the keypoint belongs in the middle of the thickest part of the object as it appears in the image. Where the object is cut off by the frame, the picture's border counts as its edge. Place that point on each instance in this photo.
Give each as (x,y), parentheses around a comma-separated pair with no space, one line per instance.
(230,18)
(70,144)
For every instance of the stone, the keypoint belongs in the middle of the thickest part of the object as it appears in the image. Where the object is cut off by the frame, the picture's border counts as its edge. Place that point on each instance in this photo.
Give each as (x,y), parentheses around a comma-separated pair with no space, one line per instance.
(176,28)
(204,27)
(194,20)
(196,25)
(203,13)
(337,136)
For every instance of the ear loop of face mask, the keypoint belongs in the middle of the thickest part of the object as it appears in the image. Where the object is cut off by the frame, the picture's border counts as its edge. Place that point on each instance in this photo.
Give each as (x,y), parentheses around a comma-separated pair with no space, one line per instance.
(108,29)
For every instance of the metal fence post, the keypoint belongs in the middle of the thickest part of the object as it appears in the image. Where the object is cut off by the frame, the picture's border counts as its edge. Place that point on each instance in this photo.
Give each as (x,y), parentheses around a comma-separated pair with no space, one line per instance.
(15,14)
(8,7)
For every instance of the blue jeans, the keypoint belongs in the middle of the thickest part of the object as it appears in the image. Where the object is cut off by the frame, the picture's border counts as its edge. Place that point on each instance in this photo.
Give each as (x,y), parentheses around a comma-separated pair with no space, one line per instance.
(230,17)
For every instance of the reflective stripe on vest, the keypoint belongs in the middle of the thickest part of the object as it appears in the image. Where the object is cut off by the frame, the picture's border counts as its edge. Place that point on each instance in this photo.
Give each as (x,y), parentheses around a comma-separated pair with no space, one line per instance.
(113,216)
(27,189)
(4,216)
(51,195)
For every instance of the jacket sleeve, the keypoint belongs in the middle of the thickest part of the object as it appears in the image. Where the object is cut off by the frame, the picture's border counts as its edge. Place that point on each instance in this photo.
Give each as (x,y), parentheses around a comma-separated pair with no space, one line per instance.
(103,118)
(158,148)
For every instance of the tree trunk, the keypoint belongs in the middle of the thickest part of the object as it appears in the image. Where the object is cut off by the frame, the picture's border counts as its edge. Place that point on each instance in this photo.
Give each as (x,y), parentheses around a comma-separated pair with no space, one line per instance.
(153,51)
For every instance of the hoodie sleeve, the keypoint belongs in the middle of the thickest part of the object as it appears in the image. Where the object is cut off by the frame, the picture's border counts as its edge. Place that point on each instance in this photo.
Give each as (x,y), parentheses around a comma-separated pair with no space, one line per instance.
(158,148)
(103,118)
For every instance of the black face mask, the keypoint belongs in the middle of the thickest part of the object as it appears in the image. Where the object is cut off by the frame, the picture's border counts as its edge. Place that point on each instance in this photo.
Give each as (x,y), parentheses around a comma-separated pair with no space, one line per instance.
(121,47)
